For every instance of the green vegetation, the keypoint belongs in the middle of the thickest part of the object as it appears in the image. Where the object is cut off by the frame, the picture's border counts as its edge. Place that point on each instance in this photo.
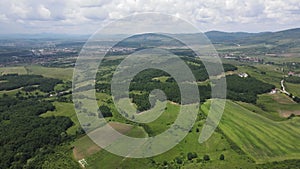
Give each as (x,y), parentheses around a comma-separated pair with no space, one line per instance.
(66,110)
(222,157)
(15,81)
(84,147)
(258,130)
(293,79)
(13,70)
(58,73)
(105,112)
(279,104)
(246,89)
(262,139)
(25,136)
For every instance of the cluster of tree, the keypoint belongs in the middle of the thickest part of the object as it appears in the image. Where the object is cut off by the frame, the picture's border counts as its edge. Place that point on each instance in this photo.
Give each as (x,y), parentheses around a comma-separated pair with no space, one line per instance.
(24,135)
(296,99)
(65,86)
(206,157)
(105,112)
(222,157)
(14,81)
(29,88)
(102,87)
(229,67)
(246,89)
(191,156)
(110,62)
(148,129)
(178,160)
(66,98)
(197,67)
(141,100)
(170,89)
(184,52)
(240,89)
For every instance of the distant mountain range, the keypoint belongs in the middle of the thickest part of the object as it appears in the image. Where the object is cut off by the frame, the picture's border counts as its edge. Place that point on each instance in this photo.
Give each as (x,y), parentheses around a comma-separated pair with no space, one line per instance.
(277,42)
(250,38)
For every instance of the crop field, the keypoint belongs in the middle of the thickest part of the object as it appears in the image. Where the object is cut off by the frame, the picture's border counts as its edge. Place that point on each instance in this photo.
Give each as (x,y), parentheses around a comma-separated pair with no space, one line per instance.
(13,70)
(261,138)
(279,103)
(293,88)
(59,73)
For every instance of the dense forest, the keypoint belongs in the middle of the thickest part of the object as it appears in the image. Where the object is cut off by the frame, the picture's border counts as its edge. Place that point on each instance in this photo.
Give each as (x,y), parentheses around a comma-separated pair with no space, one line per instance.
(15,81)
(240,89)
(246,89)
(24,135)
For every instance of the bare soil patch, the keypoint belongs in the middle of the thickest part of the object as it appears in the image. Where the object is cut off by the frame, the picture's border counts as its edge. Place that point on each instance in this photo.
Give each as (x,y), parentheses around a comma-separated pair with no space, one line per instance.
(287,113)
(85,147)
(282,98)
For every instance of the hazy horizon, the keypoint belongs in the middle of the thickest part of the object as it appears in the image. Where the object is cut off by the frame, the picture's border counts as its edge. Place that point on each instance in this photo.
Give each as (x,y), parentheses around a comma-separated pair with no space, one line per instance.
(89,34)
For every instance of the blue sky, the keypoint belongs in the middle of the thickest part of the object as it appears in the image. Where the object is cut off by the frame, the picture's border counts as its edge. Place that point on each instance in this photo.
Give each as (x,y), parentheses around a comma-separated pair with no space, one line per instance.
(87,16)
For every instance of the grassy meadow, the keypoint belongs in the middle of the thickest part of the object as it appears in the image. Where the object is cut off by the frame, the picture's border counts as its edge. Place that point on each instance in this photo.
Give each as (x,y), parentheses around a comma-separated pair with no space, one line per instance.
(262,139)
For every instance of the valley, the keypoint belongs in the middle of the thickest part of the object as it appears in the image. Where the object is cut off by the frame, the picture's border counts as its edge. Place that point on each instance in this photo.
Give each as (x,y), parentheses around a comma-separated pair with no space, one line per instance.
(260,126)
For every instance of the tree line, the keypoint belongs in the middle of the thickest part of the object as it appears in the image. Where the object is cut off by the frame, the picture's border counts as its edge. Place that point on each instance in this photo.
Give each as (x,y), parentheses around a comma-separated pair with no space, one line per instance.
(15,81)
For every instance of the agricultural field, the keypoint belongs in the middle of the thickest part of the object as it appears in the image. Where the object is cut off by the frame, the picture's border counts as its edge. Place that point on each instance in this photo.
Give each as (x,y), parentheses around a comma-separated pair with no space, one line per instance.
(262,139)
(59,73)
(13,70)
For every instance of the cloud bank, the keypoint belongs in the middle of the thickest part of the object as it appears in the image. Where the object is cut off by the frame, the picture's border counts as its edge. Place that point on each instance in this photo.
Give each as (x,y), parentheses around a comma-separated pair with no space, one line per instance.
(86,16)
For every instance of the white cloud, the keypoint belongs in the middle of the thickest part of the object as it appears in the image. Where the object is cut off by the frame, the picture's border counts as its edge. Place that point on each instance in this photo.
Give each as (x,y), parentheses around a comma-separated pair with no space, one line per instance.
(3,18)
(44,12)
(19,11)
(89,15)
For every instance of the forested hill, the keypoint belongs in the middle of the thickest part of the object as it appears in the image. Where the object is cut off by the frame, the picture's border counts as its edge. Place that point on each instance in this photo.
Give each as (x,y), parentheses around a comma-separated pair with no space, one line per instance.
(253,38)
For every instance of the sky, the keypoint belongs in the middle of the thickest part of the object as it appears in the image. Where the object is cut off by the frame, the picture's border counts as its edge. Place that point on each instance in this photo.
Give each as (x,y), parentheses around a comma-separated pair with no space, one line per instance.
(87,16)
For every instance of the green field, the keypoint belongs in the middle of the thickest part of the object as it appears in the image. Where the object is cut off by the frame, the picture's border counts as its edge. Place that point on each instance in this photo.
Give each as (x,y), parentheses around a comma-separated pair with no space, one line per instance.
(262,130)
(65,109)
(214,147)
(261,138)
(10,92)
(58,73)
(13,70)
(293,88)
(278,105)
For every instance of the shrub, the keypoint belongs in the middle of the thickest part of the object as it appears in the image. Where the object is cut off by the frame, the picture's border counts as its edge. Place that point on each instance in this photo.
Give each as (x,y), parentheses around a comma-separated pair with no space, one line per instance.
(222,157)
(206,158)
